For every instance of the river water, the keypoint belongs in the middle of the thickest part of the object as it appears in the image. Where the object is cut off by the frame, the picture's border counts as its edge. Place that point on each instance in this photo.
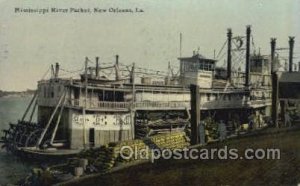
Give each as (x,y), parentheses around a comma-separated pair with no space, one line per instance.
(12,168)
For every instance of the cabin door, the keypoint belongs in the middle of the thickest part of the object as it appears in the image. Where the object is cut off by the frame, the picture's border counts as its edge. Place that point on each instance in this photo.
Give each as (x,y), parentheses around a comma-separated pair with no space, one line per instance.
(92,137)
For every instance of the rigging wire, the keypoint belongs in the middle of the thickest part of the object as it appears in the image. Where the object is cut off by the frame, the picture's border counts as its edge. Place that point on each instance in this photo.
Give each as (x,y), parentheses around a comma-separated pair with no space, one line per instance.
(221,49)
(45,74)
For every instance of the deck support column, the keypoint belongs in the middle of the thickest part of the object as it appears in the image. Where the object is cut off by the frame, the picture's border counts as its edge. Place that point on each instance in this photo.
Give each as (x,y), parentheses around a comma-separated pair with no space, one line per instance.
(275,88)
(291,49)
(195,114)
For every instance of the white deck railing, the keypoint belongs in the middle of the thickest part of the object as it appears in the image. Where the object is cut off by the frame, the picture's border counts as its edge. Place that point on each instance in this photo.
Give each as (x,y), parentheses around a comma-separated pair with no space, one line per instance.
(160,104)
(127,105)
(166,104)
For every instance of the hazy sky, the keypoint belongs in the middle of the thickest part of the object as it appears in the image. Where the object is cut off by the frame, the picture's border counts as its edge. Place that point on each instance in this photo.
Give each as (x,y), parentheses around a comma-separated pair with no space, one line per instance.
(29,43)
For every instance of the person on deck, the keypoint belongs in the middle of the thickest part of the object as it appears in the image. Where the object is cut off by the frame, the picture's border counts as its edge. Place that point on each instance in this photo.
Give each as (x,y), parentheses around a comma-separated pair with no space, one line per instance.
(251,120)
(202,133)
(222,130)
(287,120)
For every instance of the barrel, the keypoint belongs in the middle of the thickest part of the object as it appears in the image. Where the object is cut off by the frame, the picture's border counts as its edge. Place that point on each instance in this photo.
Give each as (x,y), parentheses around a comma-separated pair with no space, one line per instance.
(83,163)
(78,171)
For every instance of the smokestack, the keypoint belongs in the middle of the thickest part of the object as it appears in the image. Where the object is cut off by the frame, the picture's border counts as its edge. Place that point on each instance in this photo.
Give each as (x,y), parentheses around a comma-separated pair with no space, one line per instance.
(229,36)
(117,68)
(52,71)
(56,70)
(273,48)
(117,59)
(97,66)
(248,34)
(291,43)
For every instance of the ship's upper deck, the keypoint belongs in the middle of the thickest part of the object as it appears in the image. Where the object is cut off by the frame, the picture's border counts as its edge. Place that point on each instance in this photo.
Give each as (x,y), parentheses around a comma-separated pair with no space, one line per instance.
(95,91)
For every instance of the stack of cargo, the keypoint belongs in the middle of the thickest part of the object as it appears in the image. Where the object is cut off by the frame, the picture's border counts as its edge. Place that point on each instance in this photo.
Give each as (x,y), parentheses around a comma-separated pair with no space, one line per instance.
(106,157)
(170,141)
(211,129)
(102,158)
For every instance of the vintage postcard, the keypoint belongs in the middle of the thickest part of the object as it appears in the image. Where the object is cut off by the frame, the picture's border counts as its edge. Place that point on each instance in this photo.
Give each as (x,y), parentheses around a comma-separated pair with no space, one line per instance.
(140,92)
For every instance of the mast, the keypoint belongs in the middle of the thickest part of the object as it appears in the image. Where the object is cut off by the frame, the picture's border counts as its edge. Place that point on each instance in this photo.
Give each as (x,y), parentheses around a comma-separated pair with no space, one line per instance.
(85,101)
(86,80)
(133,82)
(180,44)
(169,74)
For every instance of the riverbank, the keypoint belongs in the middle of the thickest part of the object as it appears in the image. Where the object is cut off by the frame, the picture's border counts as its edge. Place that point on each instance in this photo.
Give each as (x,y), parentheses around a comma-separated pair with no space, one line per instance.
(283,171)
(16,94)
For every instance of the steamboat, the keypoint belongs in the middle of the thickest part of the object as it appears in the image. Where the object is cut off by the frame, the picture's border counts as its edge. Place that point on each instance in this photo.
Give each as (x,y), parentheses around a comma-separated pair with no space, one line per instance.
(98,108)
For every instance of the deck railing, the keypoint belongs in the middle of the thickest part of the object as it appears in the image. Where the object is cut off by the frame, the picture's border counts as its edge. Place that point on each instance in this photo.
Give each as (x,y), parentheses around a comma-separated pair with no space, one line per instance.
(160,104)
(99,104)
(127,105)
(165,104)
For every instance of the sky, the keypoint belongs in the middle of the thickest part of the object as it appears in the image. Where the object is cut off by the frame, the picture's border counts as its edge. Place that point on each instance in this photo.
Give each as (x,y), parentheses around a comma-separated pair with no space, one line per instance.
(31,42)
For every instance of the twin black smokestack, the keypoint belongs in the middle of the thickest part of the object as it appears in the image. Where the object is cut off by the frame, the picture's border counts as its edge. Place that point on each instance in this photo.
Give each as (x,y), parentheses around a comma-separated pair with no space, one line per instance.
(229,38)
(291,53)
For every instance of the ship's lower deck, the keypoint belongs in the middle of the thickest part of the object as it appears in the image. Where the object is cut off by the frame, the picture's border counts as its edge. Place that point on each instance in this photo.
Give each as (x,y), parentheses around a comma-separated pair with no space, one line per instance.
(80,129)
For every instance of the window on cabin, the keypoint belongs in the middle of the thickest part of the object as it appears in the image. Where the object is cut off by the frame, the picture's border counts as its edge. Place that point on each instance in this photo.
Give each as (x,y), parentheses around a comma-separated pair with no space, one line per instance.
(205,65)
(208,97)
(108,96)
(52,92)
(45,91)
(76,93)
(229,97)
(100,96)
(217,96)
(119,96)
(112,96)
